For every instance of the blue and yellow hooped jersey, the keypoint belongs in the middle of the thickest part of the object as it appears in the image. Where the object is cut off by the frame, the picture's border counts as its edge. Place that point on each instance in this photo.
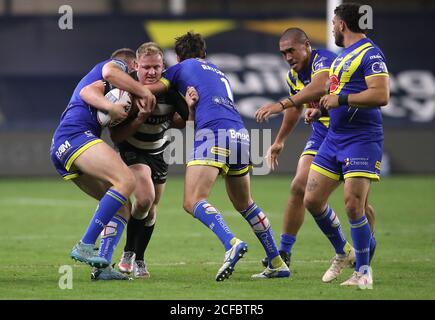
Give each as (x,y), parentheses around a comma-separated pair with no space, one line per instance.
(320,61)
(347,75)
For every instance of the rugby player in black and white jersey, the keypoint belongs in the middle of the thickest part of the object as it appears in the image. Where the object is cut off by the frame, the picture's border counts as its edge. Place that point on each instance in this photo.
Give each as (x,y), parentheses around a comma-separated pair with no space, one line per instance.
(141,142)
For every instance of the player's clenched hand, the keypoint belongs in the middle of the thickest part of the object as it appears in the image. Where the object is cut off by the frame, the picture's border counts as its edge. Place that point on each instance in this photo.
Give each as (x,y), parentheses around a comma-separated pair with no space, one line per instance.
(143,113)
(329,101)
(312,114)
(272,155)
(147,100)
(117,112)
(266,111)
(192,97)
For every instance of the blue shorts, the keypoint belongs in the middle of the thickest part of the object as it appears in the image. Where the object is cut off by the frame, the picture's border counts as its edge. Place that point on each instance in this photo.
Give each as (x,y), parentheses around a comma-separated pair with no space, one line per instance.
(224,145)
(318,134)
(349,157)
(67,144)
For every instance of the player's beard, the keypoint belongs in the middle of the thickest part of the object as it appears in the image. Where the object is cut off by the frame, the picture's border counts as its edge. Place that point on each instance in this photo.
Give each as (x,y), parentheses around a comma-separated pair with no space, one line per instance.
(339,38)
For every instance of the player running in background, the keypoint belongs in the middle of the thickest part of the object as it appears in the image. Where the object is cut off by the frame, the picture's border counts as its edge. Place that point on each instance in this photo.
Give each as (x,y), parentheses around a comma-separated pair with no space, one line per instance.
(221,146)
(307,80)
(80,155)
(352,149)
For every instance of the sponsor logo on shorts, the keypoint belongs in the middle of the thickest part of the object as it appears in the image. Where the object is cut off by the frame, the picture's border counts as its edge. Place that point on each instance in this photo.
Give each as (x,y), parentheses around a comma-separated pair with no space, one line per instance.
(356,162)
(89,134)
(310,143)
(238,135)
(378,165)
(64,147)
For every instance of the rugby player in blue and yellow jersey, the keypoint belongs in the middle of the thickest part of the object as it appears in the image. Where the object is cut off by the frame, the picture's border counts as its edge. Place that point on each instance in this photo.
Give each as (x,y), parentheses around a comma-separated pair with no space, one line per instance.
(352,149)
(79,154)
(221,146)
(307,80)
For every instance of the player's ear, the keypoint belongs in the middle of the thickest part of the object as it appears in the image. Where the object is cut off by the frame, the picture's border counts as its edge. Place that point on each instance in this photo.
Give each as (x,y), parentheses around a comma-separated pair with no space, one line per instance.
(342,25)
(307,44)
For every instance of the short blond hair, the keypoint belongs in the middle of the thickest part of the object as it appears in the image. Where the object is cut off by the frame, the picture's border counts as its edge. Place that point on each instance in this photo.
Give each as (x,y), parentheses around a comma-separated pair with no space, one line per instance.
(149,49)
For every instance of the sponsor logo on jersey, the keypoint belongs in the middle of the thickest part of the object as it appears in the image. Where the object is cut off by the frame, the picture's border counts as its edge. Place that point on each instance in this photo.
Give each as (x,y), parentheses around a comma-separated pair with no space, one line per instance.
(335,83)
(379,67)
(346,66)
(377,56)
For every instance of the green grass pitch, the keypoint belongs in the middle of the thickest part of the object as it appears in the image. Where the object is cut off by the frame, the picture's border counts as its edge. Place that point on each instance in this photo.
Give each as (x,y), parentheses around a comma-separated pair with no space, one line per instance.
(43,218)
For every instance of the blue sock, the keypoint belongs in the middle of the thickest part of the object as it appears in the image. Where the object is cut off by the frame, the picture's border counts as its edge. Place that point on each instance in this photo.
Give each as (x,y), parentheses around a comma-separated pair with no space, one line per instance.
(330,225)
(372,241)
(287,242)
(361,235)
(109,204)
(261,226)
(210,217)
(110,237)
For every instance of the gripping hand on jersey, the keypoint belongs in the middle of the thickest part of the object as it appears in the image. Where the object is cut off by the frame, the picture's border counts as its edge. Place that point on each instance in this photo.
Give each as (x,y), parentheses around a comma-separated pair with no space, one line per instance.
(143,113)
(147,102)
(192,97)
(117,111)
(329,101)
(272,155)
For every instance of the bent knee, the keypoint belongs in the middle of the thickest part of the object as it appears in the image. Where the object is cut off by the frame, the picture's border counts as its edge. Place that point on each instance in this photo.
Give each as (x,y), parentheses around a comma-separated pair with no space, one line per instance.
(313,205)
(125,183)
(143,204)
(297,188)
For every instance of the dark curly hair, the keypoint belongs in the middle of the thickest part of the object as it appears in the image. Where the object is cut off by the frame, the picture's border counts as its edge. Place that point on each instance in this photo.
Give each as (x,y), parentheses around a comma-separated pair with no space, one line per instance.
(349,13)
(190,45)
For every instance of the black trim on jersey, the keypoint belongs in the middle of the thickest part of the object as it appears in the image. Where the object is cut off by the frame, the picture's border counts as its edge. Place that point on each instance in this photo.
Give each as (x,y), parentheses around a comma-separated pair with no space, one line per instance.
(125,144)
(171,97)
(149,137)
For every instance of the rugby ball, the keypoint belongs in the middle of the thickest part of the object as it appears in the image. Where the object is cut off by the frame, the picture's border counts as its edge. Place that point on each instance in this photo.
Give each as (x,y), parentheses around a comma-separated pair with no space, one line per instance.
(115,96)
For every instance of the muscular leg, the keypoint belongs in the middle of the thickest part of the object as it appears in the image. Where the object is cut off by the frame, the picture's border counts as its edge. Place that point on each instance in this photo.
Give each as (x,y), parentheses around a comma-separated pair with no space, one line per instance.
(198,184)
(295,209)
(370,213)
(144,197)
(356,190)
(319,188)
(102,163)
(143,238)
(239,191)
(97,189)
